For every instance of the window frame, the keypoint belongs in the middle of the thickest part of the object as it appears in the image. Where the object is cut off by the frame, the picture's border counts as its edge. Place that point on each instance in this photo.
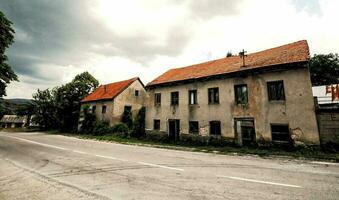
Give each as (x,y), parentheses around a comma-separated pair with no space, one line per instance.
(195,97)
(215,122)
(193,131)
(94,109)
(244,101)
(216,95)
(174,100)
(157,99)
(272,89)
(136,93)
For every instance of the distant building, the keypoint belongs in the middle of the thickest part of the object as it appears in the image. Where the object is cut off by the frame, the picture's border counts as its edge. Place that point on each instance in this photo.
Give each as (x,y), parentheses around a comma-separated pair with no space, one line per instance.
(13,121)
(263,96)
(108,102)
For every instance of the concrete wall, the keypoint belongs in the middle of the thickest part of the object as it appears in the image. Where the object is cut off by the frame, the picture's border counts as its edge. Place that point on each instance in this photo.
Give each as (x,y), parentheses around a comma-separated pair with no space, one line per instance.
(328,126)
(115,107)
(297,110)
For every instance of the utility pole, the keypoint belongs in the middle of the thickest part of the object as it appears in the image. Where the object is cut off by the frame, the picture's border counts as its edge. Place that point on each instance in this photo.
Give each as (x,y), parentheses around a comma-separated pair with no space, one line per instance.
(242,55)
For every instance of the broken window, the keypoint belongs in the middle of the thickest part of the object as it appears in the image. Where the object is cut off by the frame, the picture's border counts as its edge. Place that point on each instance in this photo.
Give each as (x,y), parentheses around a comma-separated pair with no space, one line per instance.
(174,98)
(136,93)
(275,90)
(192,97)
(156,124)
(241,94)
(194,127)
(280,133)
(157,99)
(213,95)
(93,109)
(103,110)
(215,128)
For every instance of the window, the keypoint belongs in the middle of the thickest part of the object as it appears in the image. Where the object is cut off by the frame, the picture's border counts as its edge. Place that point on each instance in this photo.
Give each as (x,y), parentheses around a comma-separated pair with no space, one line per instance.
(103,109)
(192,97)
(174,98)
(93,109)
(215,128)
(280,133)
(136,93)
(193,127)
(157,99)
(213,95)
(127,109)
(156,124)
(241,94)
(275,90)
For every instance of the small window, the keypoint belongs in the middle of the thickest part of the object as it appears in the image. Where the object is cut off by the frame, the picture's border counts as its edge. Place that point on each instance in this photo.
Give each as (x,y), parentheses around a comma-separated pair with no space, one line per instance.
(136,93)
(103,109)
(213,95)
(241,94)
(174,98)
(275,90)
(215,128)
(156,124)
(127,109)
(157,99)
(193,127)
(280,133)
(192,97)
(94,109)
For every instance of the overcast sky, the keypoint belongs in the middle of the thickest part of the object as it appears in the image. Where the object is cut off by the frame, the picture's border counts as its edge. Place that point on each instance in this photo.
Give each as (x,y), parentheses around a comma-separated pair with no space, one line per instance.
(117,40)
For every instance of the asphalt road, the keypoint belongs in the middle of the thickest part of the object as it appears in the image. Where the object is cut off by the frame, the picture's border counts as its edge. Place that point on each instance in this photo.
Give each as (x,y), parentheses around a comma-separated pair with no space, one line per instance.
(41,166)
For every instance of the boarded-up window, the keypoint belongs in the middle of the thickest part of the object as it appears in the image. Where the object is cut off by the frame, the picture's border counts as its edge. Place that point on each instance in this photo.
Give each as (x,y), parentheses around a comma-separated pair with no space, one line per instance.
(280,133)
(241,94)
(213,95)
(192,97)
(194,127)
(156,124)
(215,128)
(174,98)
(157,99)
(275,90)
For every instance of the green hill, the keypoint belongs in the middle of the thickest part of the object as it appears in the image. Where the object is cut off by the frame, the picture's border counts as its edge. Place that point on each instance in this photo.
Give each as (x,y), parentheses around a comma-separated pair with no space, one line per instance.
(14,106)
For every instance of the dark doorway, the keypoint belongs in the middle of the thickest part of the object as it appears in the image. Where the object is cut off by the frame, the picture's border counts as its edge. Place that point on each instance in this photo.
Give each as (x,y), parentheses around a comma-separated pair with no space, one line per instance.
(174,129)
(245,131)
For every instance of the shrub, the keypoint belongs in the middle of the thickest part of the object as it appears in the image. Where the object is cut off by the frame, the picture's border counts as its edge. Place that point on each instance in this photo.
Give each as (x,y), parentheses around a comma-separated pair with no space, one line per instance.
(121,128)
(101,128)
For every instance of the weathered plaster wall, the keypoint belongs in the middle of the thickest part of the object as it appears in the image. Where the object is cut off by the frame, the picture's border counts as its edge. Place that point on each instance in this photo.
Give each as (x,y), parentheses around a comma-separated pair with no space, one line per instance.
(115,107)
(297,110)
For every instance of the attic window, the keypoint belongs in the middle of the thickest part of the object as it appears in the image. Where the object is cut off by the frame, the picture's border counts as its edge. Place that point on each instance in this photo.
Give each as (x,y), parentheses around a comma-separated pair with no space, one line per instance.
(136,93)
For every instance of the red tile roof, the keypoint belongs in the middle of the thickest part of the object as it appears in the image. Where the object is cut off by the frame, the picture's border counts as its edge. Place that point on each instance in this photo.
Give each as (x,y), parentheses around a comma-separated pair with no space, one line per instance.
(289,53)
(109,91)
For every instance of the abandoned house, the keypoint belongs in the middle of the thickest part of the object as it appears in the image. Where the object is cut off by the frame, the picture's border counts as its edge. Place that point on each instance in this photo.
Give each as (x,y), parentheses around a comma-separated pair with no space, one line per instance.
(13,121)
(259,97)
(109,102)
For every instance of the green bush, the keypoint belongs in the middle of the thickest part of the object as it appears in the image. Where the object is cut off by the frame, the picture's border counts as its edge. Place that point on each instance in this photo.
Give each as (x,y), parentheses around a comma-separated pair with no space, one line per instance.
(121,128)
(101,128)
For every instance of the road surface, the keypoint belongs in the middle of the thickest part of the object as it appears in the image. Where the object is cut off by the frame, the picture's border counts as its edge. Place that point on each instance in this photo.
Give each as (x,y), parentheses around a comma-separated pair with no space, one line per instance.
(42,166)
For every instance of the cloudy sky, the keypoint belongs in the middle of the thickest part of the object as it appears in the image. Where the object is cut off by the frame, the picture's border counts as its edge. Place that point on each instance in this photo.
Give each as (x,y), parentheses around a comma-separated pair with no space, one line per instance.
(116,40)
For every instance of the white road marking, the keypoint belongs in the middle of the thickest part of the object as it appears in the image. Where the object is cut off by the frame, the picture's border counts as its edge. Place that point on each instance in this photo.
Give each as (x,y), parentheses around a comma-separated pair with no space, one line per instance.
(324,163)
(109,157)
(38,143)
(258,181)
(161,166)
(81,152)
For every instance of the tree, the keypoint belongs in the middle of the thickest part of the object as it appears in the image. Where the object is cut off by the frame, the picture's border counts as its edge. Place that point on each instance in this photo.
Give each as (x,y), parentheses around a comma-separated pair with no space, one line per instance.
(60,108)
(6,39)
(324,69)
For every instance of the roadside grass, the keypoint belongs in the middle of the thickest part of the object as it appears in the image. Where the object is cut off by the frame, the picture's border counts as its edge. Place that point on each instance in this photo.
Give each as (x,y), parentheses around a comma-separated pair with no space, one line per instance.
(304,153)
(310,153)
